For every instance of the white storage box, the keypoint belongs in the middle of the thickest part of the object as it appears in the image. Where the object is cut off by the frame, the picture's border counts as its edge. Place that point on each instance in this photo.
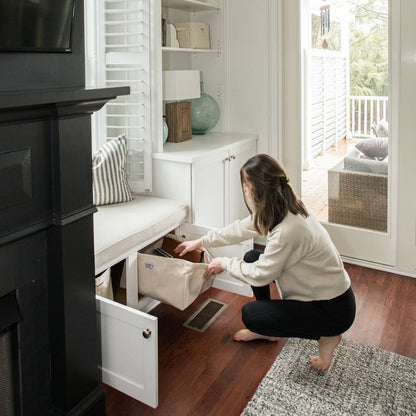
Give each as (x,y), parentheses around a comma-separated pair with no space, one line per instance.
(173,281)
(194,35)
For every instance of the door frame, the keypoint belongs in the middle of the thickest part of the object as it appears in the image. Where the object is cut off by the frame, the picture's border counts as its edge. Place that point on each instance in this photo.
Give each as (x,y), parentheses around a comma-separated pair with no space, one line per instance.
(354,245)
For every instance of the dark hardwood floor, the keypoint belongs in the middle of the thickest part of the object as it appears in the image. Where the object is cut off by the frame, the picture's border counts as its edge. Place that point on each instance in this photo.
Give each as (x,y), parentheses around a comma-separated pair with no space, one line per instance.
(210,374)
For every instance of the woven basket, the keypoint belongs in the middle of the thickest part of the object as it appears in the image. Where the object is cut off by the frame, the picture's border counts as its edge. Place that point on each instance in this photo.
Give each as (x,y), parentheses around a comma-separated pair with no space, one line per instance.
(358,199)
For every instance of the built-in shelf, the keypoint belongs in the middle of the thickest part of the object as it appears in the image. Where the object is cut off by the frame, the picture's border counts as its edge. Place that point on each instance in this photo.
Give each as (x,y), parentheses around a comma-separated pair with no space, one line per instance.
(196,149)
(188,50)
(190,5)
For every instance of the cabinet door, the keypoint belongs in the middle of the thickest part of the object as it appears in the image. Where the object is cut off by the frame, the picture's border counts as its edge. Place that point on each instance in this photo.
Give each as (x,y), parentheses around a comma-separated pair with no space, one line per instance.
(238,156)
(129,345)
(209,190)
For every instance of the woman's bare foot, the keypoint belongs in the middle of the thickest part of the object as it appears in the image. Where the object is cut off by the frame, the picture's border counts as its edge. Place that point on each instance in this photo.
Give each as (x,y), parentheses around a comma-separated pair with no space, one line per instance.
(327,347)
(247,335)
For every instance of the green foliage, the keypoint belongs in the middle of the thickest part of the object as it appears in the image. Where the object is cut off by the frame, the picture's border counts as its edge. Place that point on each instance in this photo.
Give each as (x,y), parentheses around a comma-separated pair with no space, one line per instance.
(369,48)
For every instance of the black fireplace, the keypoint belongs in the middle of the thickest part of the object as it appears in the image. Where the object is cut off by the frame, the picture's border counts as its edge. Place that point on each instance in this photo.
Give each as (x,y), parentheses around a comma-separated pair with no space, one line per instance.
(9,365)
(48,341)
(8,379)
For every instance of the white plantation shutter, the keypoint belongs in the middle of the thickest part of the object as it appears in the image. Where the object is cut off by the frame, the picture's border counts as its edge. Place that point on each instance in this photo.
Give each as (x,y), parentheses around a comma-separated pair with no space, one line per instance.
(120,56)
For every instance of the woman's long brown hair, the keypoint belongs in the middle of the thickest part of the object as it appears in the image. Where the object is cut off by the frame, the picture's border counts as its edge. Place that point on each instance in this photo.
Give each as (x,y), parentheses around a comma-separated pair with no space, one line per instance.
(272,195)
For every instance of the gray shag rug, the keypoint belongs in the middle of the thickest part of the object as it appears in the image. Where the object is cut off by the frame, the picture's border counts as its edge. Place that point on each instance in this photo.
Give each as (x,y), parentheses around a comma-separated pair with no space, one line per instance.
(361,381)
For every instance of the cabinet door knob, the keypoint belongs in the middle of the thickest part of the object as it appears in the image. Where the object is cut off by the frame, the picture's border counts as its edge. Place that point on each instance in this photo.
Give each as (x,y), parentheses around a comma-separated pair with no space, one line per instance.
(232,156)
(227,159)
(146,333)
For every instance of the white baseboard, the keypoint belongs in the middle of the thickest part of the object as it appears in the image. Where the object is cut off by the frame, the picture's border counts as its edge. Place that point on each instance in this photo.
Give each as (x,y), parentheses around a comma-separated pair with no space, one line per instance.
(378,266)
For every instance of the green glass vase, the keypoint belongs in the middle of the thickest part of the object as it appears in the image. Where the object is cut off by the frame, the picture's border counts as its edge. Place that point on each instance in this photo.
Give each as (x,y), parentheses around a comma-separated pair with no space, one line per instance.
(165,130)
(205,113)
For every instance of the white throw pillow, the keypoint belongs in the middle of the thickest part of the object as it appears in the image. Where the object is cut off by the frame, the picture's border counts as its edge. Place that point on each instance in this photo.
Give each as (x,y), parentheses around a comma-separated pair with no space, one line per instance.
(108,173)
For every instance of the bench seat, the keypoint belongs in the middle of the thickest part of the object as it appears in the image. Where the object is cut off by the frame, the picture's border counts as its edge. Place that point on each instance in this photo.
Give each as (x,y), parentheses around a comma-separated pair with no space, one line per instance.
(122,229)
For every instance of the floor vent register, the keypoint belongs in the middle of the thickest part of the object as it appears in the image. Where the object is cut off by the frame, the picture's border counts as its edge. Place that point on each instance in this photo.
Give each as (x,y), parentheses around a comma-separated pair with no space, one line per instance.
(205,315)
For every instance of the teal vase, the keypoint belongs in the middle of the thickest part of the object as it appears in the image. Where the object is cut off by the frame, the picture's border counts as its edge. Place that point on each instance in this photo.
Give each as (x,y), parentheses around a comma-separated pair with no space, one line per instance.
(165,130)
(205,113)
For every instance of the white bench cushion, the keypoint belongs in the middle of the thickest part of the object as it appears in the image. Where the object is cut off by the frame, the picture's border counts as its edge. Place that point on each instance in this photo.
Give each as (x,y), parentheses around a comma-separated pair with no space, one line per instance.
(122,228)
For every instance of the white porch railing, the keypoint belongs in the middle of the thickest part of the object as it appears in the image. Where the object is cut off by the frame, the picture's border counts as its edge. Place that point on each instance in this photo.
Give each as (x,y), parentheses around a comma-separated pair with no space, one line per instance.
(364,111)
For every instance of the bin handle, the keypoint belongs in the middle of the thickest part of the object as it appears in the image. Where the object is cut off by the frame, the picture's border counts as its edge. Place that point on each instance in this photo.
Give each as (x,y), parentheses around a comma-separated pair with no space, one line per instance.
(209,256)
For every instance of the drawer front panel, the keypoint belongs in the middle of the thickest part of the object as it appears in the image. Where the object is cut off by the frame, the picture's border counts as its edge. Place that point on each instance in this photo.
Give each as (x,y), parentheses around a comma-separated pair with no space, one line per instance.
(129,350)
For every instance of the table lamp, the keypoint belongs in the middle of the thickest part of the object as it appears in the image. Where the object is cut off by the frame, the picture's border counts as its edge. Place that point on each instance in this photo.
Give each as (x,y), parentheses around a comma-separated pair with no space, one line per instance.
(177,86)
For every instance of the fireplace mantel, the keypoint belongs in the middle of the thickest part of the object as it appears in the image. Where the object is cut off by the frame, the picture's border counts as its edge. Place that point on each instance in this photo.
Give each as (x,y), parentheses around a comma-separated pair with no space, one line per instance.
(46,244)
(46,96)
(64,101)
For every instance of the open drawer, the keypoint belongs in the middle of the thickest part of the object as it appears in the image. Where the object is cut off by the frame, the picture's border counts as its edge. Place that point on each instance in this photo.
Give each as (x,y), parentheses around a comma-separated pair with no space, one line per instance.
(221,281)
(129,333)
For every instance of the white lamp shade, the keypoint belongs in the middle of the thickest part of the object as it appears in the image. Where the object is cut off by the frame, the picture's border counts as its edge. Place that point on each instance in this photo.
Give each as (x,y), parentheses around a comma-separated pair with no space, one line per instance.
(181,85)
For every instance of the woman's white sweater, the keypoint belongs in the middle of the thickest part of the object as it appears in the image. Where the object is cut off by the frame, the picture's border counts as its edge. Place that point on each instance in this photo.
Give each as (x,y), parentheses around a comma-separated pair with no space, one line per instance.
(299,256)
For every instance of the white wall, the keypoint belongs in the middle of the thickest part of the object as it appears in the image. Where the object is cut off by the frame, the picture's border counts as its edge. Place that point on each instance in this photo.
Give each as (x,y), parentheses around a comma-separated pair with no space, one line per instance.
(251,69)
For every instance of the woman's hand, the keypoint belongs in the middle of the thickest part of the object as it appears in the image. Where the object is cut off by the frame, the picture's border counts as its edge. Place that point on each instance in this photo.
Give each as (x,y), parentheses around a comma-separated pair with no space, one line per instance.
(214,267)
(187,246)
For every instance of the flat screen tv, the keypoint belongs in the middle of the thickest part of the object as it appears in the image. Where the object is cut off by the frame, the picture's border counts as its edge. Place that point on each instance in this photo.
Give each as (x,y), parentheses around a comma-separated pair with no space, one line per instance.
(36,25)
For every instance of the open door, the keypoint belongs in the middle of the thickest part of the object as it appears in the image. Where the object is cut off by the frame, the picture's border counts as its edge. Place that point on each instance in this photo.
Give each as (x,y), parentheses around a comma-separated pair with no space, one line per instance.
(351,193)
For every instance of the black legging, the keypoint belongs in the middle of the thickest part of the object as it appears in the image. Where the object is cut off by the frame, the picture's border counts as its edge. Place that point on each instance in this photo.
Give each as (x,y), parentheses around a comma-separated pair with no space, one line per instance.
(294,318)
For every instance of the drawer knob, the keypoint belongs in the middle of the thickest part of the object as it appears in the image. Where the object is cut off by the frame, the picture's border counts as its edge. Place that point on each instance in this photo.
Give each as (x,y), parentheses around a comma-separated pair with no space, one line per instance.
(146,333)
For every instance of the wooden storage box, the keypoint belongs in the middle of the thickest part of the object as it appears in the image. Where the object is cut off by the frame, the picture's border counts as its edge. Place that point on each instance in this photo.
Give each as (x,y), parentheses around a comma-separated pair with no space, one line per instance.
(179,121)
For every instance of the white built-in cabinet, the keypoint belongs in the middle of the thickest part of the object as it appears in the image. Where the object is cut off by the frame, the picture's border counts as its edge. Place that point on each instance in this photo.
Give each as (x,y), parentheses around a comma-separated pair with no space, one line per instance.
(123,47)
(205,173)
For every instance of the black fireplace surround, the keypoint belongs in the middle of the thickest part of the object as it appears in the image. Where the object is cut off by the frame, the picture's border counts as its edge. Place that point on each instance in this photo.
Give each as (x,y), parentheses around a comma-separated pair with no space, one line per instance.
(47,291)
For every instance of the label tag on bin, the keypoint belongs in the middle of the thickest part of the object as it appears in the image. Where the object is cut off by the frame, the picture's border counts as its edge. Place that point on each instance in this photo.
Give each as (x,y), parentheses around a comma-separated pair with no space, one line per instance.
(149,266)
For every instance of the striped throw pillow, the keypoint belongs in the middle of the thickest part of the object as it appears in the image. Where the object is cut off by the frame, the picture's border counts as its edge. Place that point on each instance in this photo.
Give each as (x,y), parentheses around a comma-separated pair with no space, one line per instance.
(108,173)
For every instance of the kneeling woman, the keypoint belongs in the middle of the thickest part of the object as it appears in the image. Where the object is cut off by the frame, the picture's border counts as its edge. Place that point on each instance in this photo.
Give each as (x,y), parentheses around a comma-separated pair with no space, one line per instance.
(317,299)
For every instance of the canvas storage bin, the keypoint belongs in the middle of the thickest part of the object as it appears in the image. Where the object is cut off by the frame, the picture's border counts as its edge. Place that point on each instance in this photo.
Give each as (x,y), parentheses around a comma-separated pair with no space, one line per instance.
(103,285)
(194,35)
(174,281)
